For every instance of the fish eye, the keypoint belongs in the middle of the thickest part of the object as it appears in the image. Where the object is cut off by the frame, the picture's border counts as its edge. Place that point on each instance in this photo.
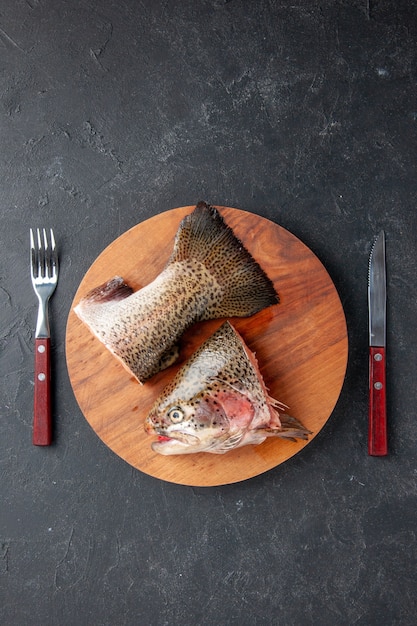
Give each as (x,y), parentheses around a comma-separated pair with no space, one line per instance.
(176,414)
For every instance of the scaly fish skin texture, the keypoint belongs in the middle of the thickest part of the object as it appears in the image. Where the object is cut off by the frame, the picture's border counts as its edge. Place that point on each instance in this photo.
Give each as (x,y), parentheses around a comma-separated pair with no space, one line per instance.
(142,328)
(209,275)
(217,402)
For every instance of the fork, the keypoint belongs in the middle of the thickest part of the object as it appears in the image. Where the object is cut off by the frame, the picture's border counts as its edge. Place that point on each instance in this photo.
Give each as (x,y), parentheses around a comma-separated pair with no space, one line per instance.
(44,274)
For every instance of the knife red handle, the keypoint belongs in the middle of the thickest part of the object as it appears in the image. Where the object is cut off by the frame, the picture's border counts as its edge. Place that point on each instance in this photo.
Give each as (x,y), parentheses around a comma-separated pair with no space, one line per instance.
(42,419)
(377,426)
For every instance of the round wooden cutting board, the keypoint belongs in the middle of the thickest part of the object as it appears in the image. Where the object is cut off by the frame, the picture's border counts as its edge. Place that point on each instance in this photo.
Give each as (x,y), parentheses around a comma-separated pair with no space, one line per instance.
(301,346)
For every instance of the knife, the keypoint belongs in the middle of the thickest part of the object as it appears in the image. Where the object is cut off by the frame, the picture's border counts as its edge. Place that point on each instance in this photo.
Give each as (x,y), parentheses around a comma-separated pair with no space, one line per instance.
(377,297)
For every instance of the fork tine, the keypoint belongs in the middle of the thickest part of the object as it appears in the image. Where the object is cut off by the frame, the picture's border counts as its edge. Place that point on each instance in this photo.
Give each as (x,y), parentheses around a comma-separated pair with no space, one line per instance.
(33,264)
(46,256)
(53,255)
(40,254)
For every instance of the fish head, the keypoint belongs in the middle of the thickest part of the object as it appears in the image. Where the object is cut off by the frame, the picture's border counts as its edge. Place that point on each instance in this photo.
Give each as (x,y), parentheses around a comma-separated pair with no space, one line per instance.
(217,402)
(214,420)
(186,425)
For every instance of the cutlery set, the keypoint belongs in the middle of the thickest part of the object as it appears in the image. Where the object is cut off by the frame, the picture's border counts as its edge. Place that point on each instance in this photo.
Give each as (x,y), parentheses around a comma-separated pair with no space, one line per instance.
(44,275)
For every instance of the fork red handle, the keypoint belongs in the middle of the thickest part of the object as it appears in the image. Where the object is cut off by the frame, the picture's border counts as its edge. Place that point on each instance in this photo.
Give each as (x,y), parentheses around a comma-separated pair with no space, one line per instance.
(42,419)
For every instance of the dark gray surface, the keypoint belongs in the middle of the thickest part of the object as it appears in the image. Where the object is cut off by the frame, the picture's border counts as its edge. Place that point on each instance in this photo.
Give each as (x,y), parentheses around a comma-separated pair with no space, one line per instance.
(304,112)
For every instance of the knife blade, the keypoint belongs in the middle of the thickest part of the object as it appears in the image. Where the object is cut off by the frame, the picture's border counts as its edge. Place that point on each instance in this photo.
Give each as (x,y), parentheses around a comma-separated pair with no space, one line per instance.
(377,296)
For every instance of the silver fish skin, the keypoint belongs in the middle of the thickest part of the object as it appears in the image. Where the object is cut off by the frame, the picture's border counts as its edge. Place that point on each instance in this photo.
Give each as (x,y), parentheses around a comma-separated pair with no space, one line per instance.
(209,275)
(217,402)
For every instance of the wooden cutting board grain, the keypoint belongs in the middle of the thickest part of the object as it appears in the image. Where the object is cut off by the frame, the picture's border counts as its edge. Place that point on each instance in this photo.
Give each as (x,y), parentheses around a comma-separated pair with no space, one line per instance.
(301,346)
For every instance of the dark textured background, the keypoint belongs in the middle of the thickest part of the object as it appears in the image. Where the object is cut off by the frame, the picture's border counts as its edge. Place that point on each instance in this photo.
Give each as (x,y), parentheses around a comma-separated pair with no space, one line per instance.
(302,111)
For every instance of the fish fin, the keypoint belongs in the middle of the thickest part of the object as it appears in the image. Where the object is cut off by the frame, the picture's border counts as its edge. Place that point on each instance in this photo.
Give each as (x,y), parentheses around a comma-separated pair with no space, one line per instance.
(111,291)
(277,404)
(290,429)
(205,237)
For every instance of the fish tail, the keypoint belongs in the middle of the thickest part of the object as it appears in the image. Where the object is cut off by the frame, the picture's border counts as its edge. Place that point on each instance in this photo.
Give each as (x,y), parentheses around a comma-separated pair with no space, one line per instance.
(244,288)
